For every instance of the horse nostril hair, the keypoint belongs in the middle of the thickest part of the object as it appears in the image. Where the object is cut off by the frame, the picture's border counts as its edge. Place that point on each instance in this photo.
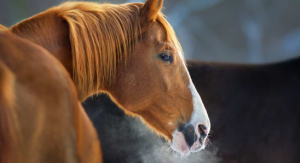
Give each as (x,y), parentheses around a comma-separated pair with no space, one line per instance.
(202,133)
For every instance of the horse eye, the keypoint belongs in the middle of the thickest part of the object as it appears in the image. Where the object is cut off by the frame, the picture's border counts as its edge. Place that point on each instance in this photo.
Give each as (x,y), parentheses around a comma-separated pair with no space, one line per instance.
(167,57)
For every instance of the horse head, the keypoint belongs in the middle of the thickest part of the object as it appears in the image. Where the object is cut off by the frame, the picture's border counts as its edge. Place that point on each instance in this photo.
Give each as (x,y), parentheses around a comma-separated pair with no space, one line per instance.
(155,84)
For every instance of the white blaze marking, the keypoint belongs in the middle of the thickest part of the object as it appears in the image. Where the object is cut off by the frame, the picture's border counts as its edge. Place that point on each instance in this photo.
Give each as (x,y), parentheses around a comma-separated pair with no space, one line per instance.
(199,115)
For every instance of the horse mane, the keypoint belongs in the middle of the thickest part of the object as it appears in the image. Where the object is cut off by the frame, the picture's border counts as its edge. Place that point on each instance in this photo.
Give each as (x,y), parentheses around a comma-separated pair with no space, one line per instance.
(100,37)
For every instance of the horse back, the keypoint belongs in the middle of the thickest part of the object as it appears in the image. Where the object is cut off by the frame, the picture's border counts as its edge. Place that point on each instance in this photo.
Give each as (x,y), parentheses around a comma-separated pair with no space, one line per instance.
(41,119)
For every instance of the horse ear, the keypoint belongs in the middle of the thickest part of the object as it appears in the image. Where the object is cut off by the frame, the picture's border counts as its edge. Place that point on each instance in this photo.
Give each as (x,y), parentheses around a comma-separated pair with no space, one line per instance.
(151,9)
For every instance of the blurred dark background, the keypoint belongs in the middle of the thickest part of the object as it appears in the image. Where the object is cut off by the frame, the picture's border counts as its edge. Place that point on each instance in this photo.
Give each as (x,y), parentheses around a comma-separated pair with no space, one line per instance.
(243,31)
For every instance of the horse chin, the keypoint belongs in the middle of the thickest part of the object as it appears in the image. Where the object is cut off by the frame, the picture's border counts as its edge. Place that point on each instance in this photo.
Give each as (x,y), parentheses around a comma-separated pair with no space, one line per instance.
(180,145)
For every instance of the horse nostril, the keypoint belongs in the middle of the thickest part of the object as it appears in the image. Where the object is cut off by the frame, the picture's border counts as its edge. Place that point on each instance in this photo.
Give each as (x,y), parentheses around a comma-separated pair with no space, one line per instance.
(202,133)
(202,127)
(189,134)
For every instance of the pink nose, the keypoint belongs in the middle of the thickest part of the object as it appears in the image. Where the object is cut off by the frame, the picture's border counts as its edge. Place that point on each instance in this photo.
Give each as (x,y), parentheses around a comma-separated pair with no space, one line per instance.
(189,138)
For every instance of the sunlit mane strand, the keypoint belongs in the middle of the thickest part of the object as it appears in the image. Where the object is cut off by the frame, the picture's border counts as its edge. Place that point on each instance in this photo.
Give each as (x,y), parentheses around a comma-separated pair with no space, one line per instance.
(102,38)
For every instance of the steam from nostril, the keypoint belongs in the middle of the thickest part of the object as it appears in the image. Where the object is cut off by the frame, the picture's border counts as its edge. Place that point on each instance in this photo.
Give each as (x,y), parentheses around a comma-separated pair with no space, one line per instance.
(128,140)
(189,134)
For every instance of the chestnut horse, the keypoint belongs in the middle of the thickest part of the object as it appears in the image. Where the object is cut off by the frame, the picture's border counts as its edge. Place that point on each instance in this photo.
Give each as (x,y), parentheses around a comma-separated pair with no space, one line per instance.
(41,119)
(255,109)
(130,52)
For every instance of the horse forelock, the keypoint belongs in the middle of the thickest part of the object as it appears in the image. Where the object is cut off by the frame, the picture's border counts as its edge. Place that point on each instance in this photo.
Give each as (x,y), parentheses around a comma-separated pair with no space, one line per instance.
(170,33)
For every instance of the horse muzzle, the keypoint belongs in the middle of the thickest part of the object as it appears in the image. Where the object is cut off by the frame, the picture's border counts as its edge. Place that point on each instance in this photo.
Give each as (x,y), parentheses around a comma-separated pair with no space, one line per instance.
(189,138)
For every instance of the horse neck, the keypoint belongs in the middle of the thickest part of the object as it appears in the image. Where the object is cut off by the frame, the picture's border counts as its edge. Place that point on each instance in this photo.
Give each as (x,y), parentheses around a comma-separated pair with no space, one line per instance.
(51,32)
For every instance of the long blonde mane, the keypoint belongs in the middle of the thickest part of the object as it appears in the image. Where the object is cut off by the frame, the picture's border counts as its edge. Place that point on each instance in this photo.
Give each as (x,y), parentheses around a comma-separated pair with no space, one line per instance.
(102,38)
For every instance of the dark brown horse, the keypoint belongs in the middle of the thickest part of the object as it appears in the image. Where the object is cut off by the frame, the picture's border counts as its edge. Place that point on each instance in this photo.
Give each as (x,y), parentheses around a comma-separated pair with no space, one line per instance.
(259,103)
(254,109)
(41,119)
